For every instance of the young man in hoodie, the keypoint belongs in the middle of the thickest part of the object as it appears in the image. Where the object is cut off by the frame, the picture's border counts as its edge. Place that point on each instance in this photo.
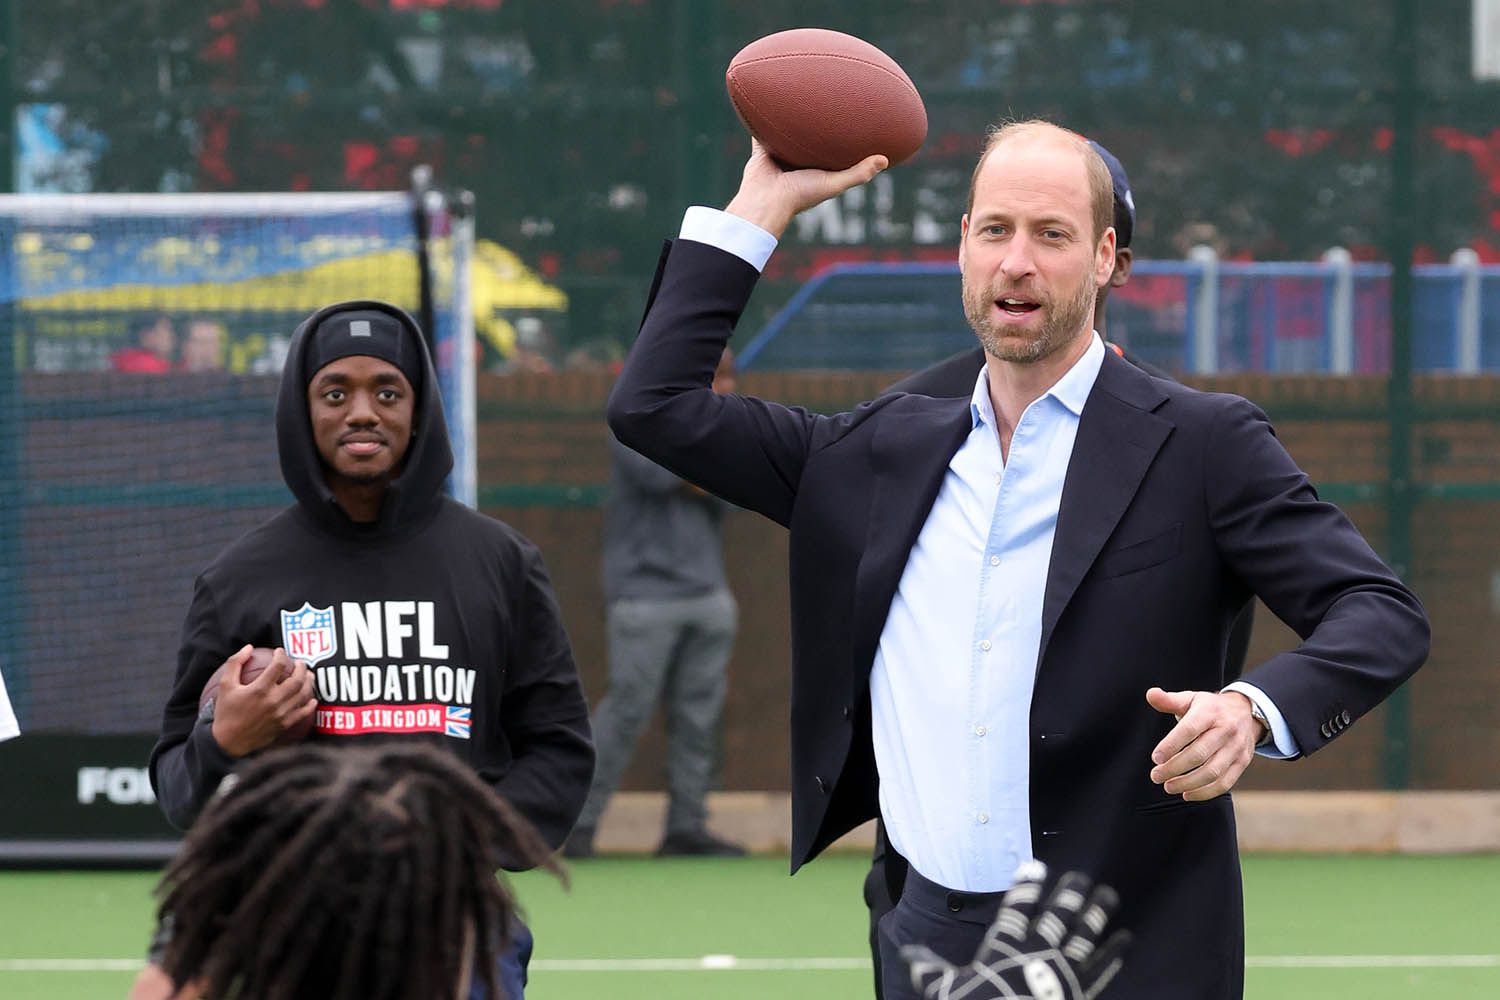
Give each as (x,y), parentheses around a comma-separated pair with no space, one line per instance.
(394,611)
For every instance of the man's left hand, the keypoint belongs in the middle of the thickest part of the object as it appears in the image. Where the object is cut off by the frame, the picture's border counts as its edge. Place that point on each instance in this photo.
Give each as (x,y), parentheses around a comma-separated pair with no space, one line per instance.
(1209,748)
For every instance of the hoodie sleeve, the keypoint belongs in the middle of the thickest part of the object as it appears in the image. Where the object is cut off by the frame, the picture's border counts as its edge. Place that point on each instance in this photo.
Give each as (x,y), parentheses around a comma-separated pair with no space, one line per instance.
(187,763)
(544,714)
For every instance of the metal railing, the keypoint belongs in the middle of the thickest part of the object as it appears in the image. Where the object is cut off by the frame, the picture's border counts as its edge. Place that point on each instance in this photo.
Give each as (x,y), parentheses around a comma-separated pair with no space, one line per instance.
(1204,315)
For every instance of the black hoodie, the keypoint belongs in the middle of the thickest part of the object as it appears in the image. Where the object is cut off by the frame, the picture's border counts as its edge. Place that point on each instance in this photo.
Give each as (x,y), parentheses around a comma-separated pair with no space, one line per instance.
(435,622)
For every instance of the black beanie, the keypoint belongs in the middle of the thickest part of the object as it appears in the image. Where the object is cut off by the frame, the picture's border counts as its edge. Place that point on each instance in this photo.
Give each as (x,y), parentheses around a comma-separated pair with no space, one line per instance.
(369,332)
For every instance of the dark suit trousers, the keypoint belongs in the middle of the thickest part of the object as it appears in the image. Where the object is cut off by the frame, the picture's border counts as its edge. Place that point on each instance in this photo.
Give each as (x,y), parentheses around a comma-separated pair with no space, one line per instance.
(951,923)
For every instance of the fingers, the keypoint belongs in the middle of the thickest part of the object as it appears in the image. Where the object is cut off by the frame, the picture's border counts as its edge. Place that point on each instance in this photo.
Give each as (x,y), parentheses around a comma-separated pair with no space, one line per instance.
(1092,920)
(1170,702)
(299,713)
(1017,908)
(813,187)
(1178,704)
(279,671)
(251,716)
(771,197)
(282,665)
(1095,973)
(229,676)
(1057,954)
(1062,908)
(861,173)
(1214,777)
(1207,751)
(271,676)
(931,975)
(293,693)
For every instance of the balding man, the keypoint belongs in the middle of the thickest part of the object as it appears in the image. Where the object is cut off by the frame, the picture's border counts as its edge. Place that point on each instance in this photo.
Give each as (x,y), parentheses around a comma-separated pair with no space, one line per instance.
(1010,611)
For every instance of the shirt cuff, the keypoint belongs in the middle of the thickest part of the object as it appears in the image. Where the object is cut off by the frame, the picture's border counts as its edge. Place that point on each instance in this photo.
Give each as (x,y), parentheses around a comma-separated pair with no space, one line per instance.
(729,233)
(1283,745)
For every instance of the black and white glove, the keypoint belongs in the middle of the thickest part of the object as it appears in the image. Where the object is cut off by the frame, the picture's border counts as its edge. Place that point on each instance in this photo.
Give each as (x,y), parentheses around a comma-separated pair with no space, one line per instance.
(1042,946)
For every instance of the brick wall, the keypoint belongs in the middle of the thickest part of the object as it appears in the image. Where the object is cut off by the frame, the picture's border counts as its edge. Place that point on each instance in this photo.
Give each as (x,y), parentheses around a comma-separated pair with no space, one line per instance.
(545,430)
(108,559)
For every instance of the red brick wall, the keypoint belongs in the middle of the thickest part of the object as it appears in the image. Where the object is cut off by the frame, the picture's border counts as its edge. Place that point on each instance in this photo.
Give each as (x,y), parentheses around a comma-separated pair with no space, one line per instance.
(548,430)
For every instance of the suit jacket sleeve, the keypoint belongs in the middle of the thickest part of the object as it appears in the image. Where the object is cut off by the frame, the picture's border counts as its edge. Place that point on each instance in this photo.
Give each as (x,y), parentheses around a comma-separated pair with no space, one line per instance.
(642,474)
(1363,631)
(749,451)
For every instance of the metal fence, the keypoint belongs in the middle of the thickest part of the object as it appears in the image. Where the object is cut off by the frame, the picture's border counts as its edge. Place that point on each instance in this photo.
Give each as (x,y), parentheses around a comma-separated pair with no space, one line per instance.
(1202,316)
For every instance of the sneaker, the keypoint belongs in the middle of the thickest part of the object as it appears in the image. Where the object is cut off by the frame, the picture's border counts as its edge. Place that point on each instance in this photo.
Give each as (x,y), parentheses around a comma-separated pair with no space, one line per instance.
(579,846)
(700,843)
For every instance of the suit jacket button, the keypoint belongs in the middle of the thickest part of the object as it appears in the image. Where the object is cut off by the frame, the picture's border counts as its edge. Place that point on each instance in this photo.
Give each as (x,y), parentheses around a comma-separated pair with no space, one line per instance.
(1326,731)
(822,785)
(847,713)
(1345,717)
(955,902)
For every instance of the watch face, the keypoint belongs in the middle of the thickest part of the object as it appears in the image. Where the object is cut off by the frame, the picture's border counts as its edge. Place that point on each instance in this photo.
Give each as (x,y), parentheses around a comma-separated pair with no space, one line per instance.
(1259,716)
(206,710)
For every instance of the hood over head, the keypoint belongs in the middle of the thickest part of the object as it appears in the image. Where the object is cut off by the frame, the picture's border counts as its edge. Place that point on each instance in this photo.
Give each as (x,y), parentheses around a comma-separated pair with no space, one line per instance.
(380,330)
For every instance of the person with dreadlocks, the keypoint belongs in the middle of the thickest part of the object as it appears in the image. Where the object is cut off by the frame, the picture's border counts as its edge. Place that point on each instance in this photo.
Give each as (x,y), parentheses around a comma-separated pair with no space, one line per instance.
(392,608)
(296,880)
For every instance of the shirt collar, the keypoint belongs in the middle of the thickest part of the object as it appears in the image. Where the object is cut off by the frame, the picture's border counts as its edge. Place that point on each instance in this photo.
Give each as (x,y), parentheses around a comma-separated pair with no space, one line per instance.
(1072,390)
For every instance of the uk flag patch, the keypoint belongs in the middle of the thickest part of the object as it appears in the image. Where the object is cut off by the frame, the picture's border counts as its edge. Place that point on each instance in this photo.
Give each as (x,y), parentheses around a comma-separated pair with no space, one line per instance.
(458,722)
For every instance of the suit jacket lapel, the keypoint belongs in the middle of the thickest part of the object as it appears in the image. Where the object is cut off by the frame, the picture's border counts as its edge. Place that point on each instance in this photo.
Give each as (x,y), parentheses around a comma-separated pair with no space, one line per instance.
(909,457)
(1118,437)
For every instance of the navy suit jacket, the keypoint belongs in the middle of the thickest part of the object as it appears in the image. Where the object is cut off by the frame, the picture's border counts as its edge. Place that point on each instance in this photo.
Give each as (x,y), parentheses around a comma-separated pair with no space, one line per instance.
(1176,506)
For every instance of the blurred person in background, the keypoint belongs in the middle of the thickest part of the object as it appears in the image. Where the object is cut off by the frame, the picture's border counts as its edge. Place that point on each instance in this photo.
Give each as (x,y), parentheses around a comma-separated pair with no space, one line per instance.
(152,348)
(671,622)
(203,346)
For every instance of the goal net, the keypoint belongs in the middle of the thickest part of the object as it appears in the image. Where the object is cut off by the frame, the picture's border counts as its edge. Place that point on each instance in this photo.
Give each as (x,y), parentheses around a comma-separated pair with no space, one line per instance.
(141,341)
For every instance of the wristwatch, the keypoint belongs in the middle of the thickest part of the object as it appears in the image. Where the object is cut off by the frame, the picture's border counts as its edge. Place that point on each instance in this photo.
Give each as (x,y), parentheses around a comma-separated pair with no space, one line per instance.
(1255,713)
(206,710)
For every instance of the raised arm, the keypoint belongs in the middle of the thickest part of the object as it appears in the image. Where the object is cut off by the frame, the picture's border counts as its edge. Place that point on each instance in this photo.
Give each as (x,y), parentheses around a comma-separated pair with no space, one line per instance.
(746,450)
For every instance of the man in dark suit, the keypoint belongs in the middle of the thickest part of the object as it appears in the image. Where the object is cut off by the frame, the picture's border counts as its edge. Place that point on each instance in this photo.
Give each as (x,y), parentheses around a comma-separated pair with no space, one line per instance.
(954,376)
(1009,613)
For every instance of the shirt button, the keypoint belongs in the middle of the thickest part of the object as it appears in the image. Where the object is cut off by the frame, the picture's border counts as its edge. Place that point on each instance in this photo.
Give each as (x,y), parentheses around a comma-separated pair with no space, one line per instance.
(985,645)
(980,730)
(994,560)
(984,817)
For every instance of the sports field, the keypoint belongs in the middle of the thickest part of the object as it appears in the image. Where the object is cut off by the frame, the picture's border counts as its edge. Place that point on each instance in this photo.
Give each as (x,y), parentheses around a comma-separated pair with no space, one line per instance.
(1372,928)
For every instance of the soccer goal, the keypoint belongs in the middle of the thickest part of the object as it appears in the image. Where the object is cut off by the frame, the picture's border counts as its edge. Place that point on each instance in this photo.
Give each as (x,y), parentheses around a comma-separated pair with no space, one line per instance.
(141,343)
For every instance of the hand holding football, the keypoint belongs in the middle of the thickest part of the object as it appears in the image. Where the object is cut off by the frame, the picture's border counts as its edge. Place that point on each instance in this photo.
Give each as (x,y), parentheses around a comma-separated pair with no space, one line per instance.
(272,710)
(824,99)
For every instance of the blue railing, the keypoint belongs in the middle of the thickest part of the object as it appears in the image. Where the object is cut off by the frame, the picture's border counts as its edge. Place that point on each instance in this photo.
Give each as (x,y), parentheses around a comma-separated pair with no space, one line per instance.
(1198,316)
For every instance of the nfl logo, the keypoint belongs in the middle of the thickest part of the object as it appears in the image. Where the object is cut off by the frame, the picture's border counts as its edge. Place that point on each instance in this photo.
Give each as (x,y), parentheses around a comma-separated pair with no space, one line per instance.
(307,633)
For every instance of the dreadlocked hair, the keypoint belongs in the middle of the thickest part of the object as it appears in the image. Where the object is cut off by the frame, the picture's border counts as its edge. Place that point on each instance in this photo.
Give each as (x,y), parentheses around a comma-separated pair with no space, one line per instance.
(358,872)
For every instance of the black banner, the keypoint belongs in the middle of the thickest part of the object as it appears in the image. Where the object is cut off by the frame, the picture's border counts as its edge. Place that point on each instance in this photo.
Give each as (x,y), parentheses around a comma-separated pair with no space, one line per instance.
(74,798)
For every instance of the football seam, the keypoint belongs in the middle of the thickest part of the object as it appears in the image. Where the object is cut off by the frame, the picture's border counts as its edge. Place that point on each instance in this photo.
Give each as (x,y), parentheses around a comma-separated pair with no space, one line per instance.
(900,78)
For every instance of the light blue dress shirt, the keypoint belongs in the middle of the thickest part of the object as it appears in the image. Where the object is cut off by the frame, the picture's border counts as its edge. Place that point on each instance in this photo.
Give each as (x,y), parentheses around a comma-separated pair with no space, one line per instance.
(953,674)
(951,685)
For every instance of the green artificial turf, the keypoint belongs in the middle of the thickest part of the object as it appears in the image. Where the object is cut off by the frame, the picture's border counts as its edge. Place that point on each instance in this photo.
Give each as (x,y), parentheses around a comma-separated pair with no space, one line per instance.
(1357,918)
